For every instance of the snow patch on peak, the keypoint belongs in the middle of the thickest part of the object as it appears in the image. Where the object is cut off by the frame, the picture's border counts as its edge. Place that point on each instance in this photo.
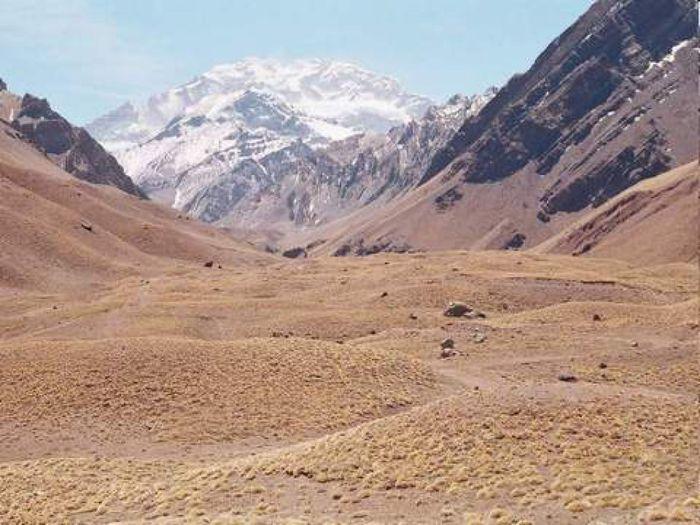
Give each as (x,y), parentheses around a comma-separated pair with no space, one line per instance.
(339,98)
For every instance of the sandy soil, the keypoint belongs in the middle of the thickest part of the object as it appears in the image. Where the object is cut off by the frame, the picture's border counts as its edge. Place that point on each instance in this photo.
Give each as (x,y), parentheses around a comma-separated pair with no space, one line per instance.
(314,392)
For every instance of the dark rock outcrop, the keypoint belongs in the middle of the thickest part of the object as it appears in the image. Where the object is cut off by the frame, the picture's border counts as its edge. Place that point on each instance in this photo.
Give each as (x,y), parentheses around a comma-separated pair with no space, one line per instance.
(515,242)
(589,72)
(72,148)
(294,253)
(360,248)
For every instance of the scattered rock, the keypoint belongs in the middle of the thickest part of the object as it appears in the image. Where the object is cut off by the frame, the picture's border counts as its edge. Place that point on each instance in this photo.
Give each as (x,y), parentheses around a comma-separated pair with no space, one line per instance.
(446,353)
(515,242)
(315,244)
(209,264)
(294,253)
(567,378)
(456,309)
(447,343)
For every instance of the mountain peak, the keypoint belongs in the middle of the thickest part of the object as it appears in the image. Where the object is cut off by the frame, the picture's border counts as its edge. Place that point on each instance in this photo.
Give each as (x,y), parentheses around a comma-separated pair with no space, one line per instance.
(339,95)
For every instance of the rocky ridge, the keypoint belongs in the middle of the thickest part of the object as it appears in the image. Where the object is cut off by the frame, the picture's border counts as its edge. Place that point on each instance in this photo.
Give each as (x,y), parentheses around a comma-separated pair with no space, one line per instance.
(70,147)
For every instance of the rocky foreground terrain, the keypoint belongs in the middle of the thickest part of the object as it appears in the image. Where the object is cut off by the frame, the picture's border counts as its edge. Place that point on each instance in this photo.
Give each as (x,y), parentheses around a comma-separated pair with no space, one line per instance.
(337,391)
(154,370)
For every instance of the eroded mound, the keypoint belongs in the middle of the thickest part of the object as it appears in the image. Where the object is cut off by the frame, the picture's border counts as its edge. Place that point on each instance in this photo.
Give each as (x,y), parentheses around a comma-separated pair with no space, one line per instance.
(195,391)
(530,458)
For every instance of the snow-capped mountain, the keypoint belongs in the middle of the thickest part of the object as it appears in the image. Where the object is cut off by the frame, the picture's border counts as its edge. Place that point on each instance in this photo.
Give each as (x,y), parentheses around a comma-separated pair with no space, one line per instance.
(265,144)
(299,185)
(223,129)
(339,98)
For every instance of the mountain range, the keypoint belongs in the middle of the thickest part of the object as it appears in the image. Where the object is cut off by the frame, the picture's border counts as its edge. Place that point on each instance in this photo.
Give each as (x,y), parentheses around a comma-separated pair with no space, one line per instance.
(265,145)
(315,156)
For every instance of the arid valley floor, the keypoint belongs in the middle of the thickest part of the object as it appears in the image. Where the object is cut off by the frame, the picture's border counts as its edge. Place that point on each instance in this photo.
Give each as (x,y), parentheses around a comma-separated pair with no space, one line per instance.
(314,391)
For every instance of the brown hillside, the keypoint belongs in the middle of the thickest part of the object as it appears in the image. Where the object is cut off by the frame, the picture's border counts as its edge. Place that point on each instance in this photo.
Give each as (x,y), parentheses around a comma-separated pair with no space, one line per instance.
(653,222)
(56,231)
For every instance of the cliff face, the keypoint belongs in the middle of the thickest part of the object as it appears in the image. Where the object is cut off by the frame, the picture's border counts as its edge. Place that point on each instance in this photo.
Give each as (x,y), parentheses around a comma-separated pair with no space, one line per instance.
(70,147)
(587,74)
(610,102)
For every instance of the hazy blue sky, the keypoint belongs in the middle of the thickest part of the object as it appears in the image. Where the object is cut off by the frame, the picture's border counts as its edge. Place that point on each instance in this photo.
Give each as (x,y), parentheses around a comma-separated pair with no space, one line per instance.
(88,56)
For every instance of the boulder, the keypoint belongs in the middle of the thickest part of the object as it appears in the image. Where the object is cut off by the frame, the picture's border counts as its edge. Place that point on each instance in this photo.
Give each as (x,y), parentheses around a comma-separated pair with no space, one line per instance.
(447,343)
(457,309)
(294,253)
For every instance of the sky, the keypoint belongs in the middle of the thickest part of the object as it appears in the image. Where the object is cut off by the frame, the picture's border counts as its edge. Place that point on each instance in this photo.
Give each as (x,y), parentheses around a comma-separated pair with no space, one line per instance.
(90,56)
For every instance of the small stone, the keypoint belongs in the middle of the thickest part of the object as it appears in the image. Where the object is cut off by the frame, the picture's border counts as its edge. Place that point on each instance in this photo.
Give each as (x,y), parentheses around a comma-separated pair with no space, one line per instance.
(85,225)
(567,378)
(597,317)
(447,343)
(446,353)
(413,316)
(602,365)
(634,344)
(209,264)
(479,337)
(384,294)
(456,309)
